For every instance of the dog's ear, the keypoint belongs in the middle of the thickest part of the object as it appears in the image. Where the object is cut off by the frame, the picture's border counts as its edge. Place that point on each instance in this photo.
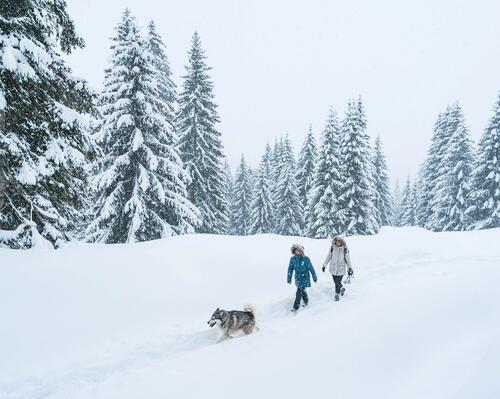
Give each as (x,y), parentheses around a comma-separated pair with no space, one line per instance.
(217,309)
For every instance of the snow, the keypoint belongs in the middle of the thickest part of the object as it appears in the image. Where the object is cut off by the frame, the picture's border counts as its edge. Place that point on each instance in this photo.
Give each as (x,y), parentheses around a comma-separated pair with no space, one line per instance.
(129,321)
(9,59)
(69,116)
(3,101)
(27,175)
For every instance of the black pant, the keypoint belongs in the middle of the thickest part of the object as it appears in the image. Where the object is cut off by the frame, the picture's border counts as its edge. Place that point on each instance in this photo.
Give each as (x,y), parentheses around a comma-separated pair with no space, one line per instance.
(300,294)
(338,283)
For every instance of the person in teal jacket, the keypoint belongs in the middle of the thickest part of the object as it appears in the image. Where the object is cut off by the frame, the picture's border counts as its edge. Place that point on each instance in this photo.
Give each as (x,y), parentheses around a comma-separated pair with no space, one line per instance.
(303,268)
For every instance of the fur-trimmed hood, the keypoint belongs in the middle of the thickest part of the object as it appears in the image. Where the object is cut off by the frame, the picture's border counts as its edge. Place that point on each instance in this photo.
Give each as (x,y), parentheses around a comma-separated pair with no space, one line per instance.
(339,238)
(296,247)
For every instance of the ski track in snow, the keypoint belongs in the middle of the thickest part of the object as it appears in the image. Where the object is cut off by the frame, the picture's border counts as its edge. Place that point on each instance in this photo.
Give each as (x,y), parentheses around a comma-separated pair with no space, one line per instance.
(84,376)
(83,379)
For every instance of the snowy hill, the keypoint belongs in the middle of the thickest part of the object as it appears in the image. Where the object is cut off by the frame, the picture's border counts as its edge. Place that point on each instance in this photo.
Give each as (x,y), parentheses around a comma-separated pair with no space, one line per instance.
(421,320)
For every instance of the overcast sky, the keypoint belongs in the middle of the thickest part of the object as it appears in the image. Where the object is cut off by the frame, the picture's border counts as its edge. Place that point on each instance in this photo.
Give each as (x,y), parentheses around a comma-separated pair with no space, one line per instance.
(279,65)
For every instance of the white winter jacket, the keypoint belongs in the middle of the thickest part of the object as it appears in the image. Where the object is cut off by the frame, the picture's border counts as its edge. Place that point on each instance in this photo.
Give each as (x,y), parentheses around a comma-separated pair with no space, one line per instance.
(339,260)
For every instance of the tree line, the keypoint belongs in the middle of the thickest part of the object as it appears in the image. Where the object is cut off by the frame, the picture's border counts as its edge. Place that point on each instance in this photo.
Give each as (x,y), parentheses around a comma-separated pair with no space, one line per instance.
(143,159)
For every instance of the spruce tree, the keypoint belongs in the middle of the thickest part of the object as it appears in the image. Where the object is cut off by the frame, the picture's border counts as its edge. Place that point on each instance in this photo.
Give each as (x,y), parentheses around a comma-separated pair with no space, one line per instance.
(262,208)
(452,185)
(356,209)
(322,216)
(276,164)
(166,86)
(408,205)
(287,202)
(200,142)
(484,199)
(242,198)
(141,183)
(305,167)
(382,199)
(431,168)
(228,195)
(44,115)
(397,196)
(305,173)
(437,208)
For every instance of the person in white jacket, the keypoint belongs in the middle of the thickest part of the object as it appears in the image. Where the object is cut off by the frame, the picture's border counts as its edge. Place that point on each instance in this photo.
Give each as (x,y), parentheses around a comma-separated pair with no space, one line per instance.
(340,263)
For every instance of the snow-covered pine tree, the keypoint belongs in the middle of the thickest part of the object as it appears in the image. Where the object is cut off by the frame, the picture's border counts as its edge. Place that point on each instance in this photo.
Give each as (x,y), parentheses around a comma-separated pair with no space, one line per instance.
(142,185)
(276,161)
(408,205)
(228,195)
(438,212)
(356,209)
(200,142)
(287,203)
(242,199)
(382,199)
(305,169)
(397,196)
(450,197)
(166,87)
(431,168)
(484,199)
(44,115)
(262,208)
(322,217)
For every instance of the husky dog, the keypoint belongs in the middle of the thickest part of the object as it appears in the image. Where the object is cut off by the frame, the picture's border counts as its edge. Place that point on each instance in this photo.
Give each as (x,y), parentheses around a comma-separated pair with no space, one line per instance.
(231,321)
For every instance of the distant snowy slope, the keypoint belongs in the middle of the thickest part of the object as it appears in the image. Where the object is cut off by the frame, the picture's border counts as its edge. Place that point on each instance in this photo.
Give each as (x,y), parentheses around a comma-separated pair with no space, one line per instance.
(421,319)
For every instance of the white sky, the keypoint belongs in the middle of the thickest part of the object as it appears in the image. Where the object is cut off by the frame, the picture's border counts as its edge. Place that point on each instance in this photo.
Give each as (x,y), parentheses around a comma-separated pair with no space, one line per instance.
(279,65)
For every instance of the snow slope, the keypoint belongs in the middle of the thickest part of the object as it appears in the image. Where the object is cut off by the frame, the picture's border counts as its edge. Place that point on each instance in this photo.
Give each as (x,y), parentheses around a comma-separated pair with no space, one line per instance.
(421,320)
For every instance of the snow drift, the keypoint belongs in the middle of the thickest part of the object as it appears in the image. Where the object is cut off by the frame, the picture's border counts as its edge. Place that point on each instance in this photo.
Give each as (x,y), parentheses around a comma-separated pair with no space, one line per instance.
(129,321)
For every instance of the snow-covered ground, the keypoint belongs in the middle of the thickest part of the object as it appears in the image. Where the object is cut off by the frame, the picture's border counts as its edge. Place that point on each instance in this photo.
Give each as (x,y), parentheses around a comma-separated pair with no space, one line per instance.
(421,320)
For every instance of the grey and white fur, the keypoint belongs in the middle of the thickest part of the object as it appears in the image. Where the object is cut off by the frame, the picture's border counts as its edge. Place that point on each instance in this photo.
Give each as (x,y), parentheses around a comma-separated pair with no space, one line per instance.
(231,321)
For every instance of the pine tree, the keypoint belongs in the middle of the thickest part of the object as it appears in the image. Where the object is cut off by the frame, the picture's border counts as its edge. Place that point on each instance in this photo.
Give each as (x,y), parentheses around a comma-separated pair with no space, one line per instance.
(200,142)
(44,115)
(431,167)
(484,209)
(276,164)
(423,196)
(356,208)
(228,197)
(305,170)
(397,198)
(382,197)
(408,205)
(166,86)
(323,220)
(305,167)
(287,202)
(262,208)
(142,186)
(449,201)
(242,198)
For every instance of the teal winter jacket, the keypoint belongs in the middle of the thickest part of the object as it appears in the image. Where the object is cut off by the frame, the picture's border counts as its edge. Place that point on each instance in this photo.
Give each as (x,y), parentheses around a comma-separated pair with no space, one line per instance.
(303,269)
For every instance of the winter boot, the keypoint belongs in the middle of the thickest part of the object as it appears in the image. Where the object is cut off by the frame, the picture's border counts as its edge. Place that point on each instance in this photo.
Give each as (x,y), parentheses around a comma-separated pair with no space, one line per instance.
(337,296)
(342,290)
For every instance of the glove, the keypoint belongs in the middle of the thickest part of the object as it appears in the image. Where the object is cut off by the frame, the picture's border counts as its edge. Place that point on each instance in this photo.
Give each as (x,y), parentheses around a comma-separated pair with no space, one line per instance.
(350,272)
(323,268)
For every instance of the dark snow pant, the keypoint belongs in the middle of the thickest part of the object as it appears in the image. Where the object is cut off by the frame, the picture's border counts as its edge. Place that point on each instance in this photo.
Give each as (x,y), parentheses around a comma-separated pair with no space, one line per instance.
(300,294)
(338,283)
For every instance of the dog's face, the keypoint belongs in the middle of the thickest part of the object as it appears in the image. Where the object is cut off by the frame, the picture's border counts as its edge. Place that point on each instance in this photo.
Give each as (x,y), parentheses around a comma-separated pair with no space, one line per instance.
(216,318)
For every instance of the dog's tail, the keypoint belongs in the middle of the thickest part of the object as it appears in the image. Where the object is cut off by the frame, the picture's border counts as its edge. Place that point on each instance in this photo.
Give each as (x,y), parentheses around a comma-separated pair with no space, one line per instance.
(249,308)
